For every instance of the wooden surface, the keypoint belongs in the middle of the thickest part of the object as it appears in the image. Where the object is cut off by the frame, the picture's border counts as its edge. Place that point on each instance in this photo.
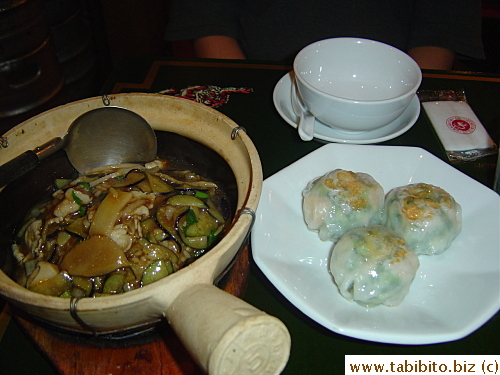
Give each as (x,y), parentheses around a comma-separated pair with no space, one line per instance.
(156,351)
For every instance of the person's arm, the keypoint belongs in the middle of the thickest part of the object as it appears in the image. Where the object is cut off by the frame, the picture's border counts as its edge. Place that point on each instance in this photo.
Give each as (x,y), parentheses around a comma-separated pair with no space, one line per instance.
(217,47)
(428,57)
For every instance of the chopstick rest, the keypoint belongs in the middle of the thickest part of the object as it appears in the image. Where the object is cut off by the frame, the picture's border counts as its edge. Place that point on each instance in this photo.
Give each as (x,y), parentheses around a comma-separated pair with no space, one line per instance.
(460,131)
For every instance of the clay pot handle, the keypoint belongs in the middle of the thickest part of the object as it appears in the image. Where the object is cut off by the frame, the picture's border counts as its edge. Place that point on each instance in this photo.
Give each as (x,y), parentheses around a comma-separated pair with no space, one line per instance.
(226,335)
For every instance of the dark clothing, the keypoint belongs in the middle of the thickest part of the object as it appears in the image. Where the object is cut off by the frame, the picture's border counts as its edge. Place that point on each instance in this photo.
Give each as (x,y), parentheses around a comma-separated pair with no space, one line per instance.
(278,29)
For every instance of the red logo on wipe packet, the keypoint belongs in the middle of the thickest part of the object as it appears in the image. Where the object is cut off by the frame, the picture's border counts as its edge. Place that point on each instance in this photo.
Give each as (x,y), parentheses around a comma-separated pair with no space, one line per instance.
(462,125)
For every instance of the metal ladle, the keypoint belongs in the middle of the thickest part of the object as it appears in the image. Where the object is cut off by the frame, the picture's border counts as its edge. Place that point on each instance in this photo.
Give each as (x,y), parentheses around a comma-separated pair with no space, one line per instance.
(99,137)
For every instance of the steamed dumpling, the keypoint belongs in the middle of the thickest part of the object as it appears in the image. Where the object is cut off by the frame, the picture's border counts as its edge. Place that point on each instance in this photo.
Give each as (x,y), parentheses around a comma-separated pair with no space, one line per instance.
(372,266)
(426,216)
(341,200)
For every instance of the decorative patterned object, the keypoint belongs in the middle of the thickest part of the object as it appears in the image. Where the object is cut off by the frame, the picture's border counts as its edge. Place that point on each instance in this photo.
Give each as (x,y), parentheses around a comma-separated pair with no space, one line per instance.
(212,96)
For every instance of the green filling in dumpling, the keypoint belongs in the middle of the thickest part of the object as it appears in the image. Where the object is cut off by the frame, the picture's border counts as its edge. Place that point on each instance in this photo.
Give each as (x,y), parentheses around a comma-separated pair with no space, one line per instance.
(341,200)
(372,266)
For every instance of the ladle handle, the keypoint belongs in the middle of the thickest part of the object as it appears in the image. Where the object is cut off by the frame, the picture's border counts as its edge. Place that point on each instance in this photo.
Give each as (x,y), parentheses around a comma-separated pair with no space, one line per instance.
(17,167)
(28,160)
(226,335)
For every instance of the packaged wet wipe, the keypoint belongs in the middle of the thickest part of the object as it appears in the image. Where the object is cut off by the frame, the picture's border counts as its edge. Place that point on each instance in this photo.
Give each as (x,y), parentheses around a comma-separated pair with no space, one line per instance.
(457,126)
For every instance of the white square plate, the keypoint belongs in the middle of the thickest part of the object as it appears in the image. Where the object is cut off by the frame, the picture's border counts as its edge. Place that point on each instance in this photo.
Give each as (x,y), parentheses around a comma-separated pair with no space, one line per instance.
(452,295)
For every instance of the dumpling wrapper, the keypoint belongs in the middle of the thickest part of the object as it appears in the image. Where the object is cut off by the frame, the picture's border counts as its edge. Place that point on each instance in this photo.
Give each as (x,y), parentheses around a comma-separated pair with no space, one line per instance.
(342,200)
(373,266)
(426,216)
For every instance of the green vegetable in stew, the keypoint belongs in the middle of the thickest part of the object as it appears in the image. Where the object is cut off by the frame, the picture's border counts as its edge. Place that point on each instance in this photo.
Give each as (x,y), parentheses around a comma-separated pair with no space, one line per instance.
(117,230)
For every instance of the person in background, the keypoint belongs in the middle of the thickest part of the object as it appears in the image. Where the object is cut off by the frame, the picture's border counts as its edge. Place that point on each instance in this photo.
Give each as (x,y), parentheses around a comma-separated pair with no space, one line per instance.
(433,32)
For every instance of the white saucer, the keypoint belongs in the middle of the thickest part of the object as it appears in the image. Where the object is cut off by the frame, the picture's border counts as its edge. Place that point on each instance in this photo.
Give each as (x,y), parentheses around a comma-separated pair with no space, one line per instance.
(283,103)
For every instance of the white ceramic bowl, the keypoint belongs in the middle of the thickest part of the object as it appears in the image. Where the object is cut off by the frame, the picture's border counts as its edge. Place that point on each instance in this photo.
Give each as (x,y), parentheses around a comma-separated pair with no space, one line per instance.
(355,84)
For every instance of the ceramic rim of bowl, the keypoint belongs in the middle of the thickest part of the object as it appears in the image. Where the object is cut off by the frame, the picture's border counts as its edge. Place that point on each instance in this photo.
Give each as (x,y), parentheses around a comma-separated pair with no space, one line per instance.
(327,95)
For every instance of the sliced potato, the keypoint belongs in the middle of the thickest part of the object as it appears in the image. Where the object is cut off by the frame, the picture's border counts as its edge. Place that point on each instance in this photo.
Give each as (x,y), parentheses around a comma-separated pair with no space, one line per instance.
(97,255)
(109,211)
(43,271)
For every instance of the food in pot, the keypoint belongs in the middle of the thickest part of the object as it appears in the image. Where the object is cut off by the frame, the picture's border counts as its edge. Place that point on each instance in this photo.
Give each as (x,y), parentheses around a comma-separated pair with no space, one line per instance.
(341,200)
(117,229)
(372,266)
(426,216)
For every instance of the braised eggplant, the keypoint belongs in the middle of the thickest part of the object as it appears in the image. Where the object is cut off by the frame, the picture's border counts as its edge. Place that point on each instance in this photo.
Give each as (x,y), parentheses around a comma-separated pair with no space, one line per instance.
(118,229)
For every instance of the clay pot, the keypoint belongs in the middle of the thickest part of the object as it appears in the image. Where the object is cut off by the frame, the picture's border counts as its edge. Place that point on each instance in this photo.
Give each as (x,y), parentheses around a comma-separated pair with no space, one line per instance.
(224,334)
